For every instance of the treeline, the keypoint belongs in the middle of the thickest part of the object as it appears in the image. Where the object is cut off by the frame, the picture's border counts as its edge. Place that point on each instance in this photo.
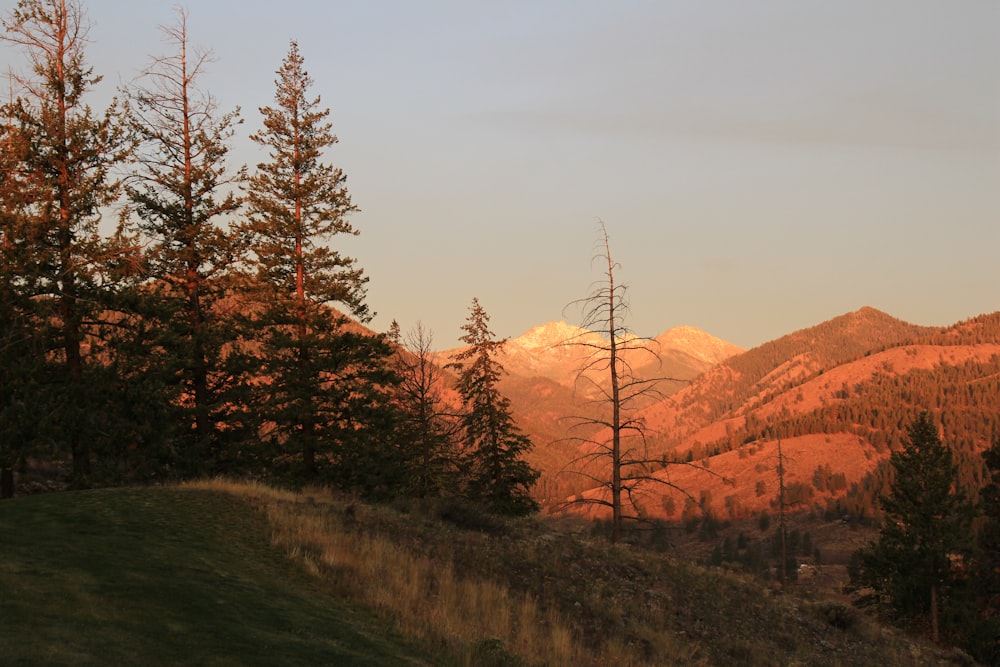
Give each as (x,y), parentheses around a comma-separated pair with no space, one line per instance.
(973,331)
(216,329)
(965,397)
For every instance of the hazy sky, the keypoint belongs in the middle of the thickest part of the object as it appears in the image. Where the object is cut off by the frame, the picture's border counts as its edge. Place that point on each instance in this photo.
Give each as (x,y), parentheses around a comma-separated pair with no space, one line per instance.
(761,166)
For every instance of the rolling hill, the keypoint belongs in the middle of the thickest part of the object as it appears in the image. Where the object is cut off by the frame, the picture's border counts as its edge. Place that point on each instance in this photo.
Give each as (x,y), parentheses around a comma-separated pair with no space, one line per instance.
(168,576)
(219,573)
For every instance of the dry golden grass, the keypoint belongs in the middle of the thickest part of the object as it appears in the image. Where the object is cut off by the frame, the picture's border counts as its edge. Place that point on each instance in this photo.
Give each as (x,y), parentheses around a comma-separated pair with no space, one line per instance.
(474,620)
(522,594)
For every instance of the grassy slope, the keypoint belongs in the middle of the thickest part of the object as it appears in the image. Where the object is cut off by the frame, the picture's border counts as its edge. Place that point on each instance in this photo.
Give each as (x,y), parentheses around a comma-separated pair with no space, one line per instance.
(189,576)
(166,576)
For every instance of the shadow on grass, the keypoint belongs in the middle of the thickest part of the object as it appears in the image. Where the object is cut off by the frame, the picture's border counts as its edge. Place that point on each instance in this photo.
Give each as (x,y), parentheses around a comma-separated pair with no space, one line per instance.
(167,576)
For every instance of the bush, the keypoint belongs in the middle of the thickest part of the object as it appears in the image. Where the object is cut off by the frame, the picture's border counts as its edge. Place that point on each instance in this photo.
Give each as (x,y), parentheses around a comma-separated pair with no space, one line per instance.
(468,515)
(837,614)
(491,653)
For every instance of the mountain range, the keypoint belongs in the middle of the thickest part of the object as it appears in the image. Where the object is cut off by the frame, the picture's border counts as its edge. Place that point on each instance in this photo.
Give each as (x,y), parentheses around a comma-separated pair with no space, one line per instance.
(839,396)
(559,351)
(549,388)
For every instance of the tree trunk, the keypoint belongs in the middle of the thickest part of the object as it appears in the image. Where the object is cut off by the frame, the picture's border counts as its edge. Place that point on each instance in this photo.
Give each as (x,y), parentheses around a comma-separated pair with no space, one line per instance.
(308,448)
(616,404)
(6,483)
(79,448)
(934,614)
(781,509)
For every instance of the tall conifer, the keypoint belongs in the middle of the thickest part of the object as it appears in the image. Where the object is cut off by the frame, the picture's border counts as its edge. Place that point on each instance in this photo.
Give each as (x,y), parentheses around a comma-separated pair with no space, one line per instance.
(182,198)
(324,378)
(985,632)
(59,184)
(19,359)
(910,570)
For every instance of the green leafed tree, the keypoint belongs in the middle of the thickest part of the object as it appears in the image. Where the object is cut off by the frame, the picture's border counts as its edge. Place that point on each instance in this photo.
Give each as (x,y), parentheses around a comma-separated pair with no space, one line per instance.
(182,199)
(325,380)
(59,182)
(495,473)
(911,571)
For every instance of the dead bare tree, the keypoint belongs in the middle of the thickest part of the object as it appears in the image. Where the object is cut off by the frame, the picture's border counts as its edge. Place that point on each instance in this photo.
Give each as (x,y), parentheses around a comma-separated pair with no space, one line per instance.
(619,458)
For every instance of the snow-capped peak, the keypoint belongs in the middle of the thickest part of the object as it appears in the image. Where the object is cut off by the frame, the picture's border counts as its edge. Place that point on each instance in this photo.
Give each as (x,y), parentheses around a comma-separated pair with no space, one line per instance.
(550,335)
(697,343)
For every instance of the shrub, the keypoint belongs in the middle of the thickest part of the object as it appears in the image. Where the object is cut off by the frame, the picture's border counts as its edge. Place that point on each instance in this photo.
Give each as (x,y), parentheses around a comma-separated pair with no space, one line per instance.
(837,614)
(468,515)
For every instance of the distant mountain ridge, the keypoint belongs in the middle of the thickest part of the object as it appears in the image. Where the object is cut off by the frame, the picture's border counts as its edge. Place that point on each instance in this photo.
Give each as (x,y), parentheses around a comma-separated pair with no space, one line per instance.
(553,334)
(839,396)
(543,368)
(558,350)
(690,340)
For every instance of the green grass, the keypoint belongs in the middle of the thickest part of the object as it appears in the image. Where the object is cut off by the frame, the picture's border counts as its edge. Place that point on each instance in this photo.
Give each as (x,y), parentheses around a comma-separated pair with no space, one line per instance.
(167,576)
(222,573)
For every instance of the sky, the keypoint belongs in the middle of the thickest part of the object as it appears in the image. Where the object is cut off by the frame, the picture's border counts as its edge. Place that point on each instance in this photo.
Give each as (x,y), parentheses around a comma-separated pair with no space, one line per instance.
(760,166)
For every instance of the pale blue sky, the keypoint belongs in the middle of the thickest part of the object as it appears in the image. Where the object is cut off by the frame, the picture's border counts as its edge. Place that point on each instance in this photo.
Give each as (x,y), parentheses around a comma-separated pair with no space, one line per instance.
(761,165)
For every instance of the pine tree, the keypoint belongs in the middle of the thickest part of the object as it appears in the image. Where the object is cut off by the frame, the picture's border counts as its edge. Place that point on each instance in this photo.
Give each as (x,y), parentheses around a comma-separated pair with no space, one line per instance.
(62,177)
(909,571)
(326,379)
(985,634)
(14,330)
(182,198)
(495,472)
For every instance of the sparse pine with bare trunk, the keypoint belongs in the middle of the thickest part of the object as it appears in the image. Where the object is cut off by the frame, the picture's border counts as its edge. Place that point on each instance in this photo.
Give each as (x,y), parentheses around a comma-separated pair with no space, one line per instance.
(181,199)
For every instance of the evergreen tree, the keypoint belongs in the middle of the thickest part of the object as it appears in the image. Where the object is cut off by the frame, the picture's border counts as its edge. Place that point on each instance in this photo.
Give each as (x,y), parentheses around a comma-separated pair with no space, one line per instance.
(326,380)
(59,183)
(182,198)
(909,571)
(985,638)
(14,329)
(495,473)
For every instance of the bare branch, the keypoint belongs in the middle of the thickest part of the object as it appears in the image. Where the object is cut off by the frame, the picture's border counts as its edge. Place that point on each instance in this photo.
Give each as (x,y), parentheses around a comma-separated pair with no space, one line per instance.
(608,375)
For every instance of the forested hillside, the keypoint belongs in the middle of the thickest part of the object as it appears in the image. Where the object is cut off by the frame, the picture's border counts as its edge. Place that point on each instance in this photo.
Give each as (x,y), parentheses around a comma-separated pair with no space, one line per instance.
(839,411)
